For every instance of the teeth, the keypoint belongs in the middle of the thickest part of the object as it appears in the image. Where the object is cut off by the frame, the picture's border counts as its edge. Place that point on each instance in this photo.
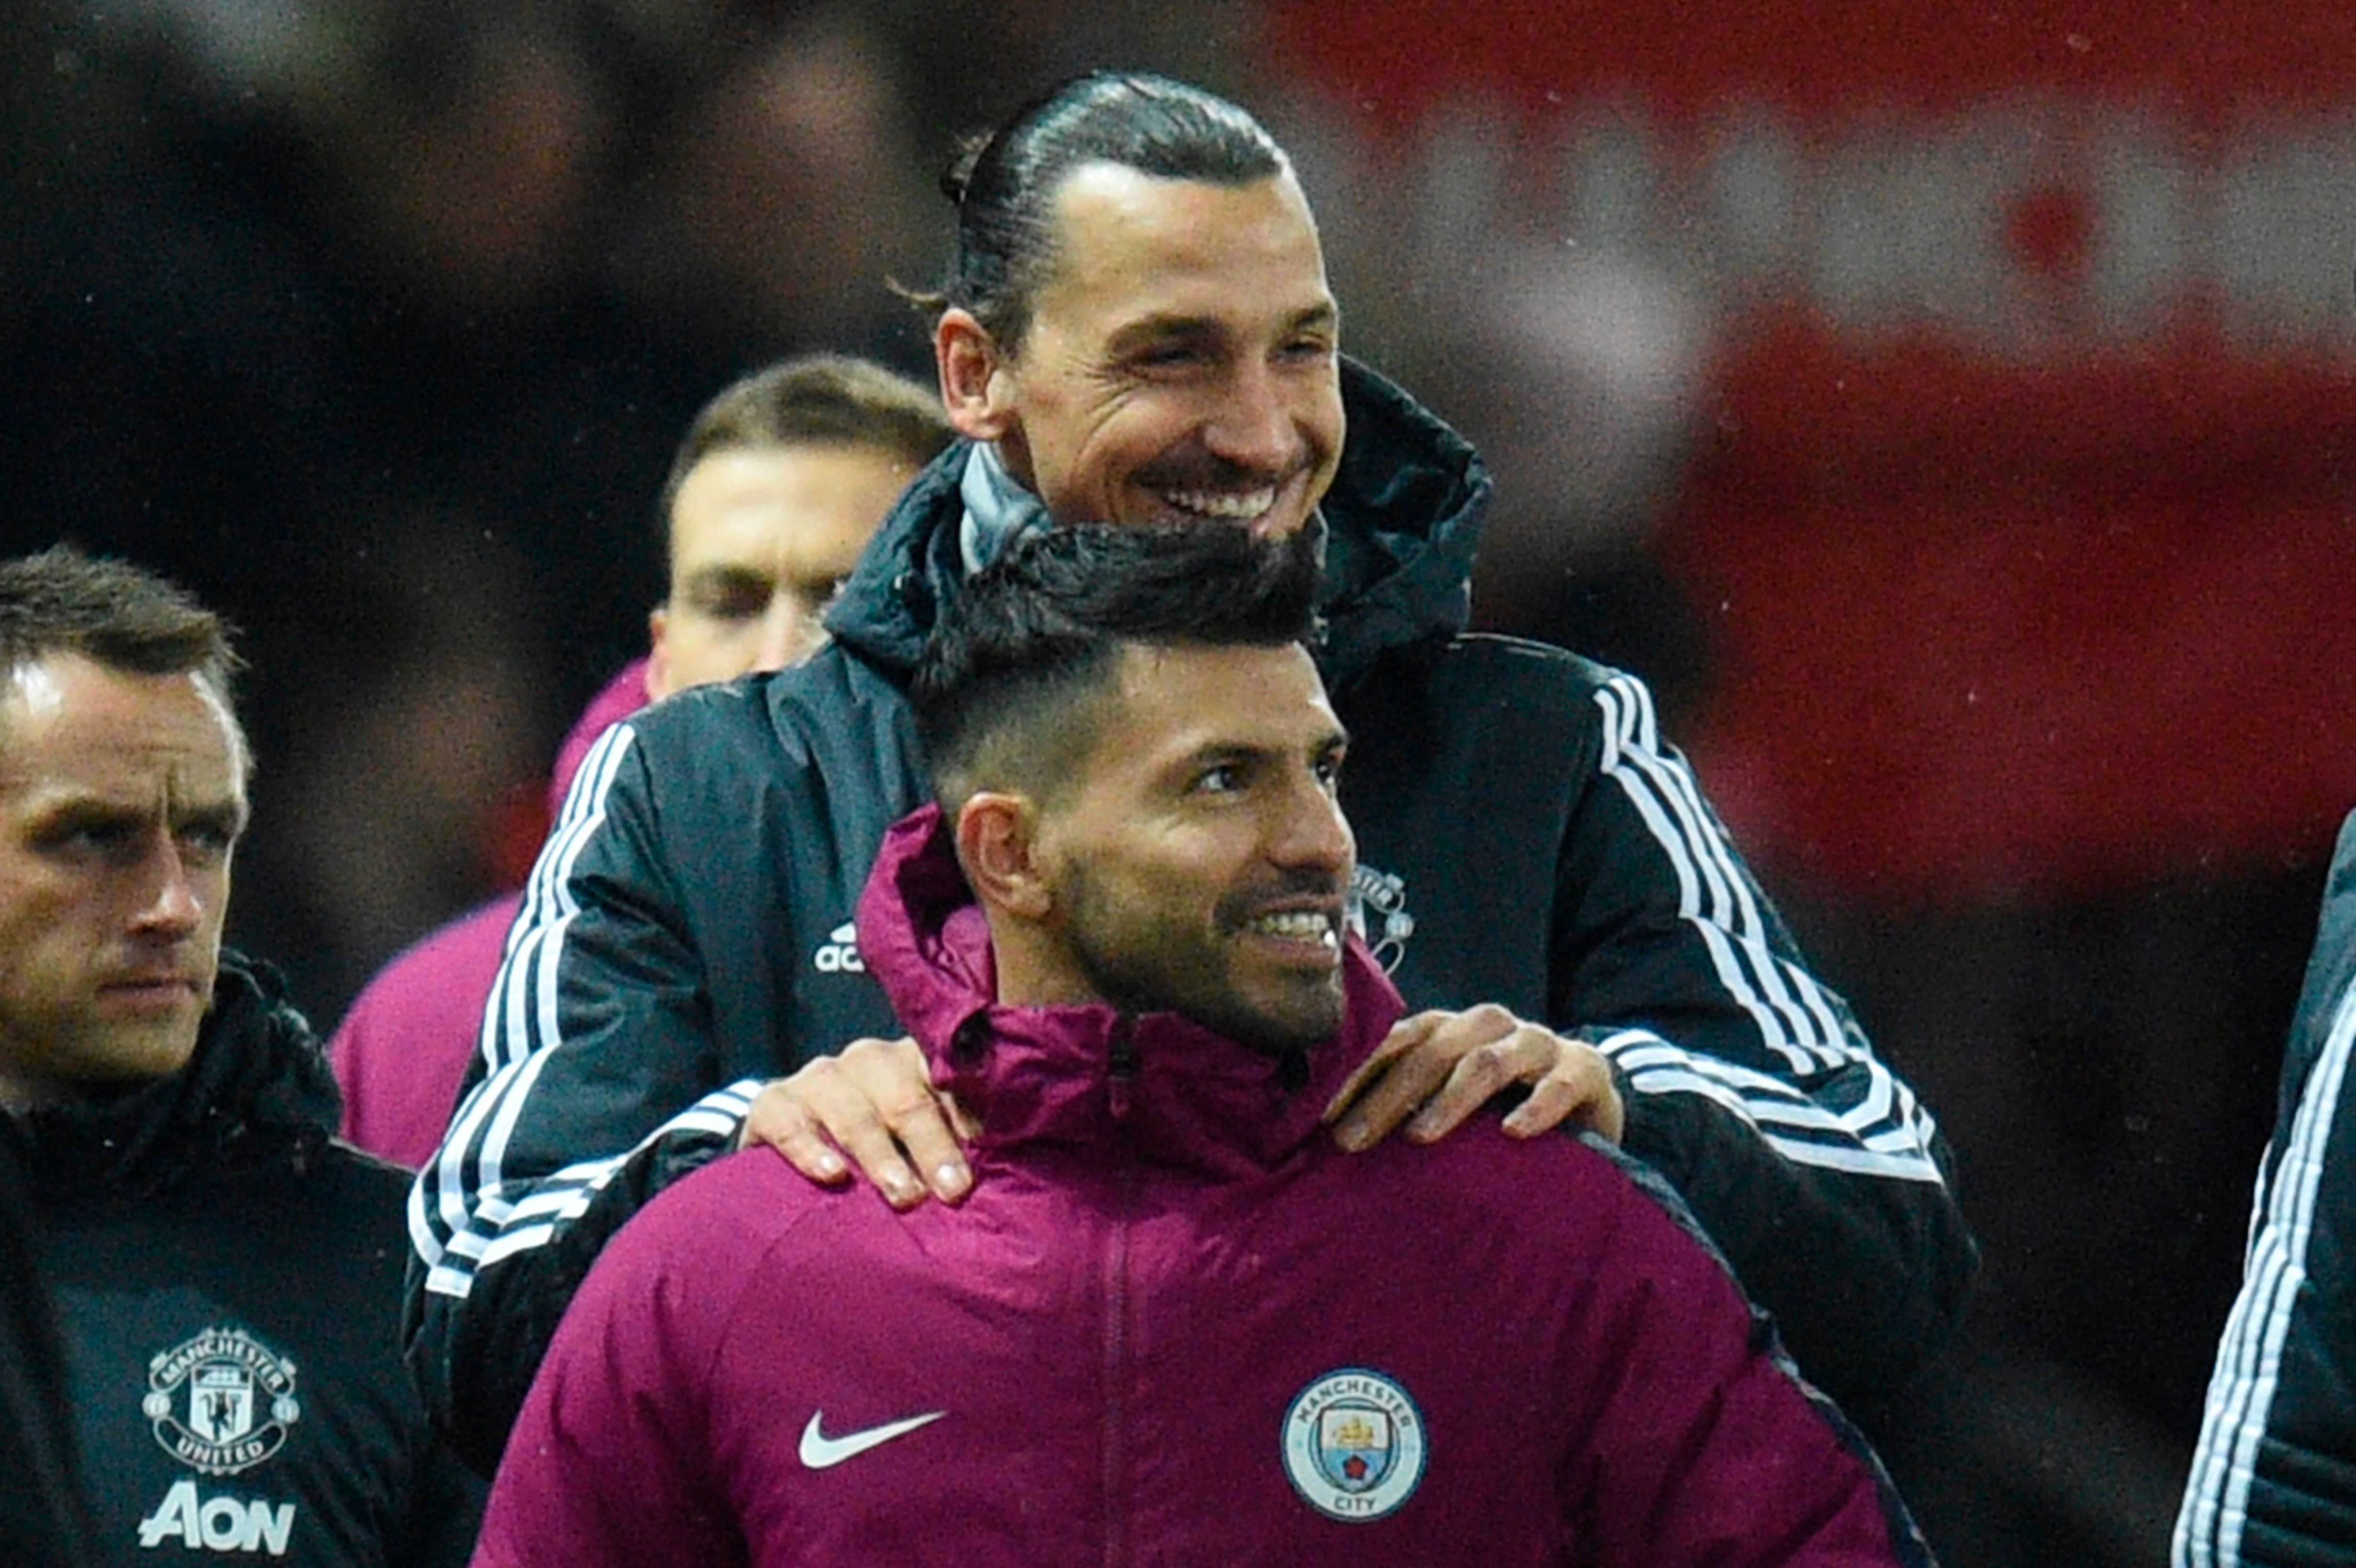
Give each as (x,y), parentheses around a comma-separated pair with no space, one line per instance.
(1298,926)
(1203,503)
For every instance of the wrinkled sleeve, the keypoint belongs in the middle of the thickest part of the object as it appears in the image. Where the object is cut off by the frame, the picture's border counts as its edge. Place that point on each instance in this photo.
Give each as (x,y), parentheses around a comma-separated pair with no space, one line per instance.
(1750,1084)
(593,1087)
(1707,1445)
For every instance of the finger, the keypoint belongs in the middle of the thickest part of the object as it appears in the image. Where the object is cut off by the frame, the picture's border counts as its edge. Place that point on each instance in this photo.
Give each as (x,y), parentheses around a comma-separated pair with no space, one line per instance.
(901,1088)
(1415,1076)
(1524,1055)
(962,1122)
(846,1111)
(1579,1093)
(776,1120)
(1404,1035)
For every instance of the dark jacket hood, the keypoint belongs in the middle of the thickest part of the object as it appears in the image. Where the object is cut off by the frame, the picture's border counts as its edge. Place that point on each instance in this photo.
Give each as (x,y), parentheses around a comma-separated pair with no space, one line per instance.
(1402,522)
(1033,1076)
(257,1089)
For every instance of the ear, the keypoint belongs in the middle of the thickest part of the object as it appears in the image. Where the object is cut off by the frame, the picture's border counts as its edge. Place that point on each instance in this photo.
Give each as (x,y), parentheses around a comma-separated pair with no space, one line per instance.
(997,844)
(658,652)
(976,385)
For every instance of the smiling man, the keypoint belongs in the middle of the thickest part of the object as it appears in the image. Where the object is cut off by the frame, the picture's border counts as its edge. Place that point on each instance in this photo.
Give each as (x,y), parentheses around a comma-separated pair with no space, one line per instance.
(224,1285)
(1136,329)
(1173,1322)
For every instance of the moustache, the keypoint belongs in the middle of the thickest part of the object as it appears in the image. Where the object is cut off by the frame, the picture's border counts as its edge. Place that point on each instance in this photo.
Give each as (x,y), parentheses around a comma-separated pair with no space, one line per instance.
(1242,907)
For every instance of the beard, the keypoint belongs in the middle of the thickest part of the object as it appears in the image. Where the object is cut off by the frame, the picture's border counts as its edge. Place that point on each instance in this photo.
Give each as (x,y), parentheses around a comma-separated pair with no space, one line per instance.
(1147,960)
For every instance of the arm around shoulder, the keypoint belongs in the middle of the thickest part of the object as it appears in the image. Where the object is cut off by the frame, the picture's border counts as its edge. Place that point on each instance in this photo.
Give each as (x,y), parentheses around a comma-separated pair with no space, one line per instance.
(1749,1083)
(592,1094)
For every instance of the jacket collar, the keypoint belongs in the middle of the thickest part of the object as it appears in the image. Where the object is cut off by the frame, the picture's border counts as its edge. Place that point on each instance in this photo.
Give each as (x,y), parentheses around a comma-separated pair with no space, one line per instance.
(1190,1098)
(258,1087)
(1402,520)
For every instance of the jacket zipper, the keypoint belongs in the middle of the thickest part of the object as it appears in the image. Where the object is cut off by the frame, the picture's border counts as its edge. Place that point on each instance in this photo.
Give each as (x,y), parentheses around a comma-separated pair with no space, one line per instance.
(1120,1077)
(1120,1080)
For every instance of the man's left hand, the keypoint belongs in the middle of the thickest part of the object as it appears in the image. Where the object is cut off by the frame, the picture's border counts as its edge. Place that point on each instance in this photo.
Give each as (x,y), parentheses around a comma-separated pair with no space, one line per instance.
(1437,1068)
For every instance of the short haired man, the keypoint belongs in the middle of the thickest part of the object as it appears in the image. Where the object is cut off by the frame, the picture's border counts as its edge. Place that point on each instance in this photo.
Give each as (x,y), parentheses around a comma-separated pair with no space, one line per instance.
(1137,329)
(223,1270)
(775,488)
(1174,1322)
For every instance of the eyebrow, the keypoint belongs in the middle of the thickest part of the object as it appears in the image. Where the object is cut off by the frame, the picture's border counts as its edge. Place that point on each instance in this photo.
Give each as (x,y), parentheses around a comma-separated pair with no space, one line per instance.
(228,817)
(1215,752)
(1163,327)
(724,574)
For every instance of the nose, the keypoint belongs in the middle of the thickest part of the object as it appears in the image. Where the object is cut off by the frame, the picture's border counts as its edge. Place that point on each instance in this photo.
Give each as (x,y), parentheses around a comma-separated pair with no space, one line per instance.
(175,906)
(1311,830)
(789,633)
(1255,425)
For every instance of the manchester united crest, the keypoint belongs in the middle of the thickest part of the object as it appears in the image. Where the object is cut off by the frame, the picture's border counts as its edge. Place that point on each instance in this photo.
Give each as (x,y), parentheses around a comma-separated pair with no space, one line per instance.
(1353,1445)
(222,1402)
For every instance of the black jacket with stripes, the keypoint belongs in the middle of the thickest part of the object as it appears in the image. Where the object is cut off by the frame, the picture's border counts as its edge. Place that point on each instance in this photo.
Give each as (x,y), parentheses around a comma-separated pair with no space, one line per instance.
(2274,1479)
(1524,835)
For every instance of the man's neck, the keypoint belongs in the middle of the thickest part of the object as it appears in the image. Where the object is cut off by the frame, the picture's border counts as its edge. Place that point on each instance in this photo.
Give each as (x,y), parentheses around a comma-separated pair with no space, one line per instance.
(998,507)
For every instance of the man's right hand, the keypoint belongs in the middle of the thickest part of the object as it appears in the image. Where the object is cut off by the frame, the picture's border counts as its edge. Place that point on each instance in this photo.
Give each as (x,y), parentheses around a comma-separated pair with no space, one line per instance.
(874,1103)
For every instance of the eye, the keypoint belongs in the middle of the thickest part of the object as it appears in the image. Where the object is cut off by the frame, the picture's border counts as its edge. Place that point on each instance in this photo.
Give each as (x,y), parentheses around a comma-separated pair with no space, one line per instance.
(1308,349)
(1221,778)
(1167,358)
(97,839)
(207,843)
(730,598)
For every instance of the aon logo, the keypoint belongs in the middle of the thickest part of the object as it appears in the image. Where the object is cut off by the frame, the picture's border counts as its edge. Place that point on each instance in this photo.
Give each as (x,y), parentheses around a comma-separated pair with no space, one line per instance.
(218,1524)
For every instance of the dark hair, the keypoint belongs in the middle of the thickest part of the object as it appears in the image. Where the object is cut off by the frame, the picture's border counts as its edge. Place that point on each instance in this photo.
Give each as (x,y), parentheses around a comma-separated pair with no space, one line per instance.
(118,614)
(817,400)
(1005,184)
(1004,682)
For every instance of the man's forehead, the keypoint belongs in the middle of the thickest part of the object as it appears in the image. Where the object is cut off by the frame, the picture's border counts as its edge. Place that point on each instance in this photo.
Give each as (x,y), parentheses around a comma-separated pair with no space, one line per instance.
(1109,215)
(74,727)
(1187,693)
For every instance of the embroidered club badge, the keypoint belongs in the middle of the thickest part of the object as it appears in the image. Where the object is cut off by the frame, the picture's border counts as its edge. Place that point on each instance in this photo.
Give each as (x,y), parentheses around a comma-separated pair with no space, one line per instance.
(220,1402)
(1354,1445)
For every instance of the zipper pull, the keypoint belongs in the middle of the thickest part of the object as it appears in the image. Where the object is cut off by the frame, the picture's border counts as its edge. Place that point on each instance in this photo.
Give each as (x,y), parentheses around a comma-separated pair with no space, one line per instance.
(1121,1078)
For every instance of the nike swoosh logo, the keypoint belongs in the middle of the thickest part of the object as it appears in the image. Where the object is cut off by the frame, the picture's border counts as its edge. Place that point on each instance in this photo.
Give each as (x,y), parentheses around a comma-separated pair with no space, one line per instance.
(821,1452)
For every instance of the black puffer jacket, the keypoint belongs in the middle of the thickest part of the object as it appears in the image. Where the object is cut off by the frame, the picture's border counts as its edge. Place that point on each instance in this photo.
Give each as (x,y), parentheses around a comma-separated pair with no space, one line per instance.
(228,1281)
(1524,837)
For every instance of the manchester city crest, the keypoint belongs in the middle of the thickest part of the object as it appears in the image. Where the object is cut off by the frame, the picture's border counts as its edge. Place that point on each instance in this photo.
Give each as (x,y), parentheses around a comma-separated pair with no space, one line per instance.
(222,1402)
(1354,1445)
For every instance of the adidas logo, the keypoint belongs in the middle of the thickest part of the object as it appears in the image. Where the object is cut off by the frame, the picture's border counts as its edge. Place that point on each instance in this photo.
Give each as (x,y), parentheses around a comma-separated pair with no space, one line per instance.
(840,953)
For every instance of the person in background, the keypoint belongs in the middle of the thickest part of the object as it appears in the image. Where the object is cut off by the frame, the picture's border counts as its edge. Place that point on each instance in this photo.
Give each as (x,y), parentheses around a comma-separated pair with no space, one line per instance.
(226,1273)
(1174,1321)
(2273,1477)
(1137,329)
(777,485)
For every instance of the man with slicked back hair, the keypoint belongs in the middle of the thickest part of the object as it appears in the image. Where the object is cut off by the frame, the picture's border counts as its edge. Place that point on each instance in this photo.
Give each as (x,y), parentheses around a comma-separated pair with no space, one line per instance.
(1136,329)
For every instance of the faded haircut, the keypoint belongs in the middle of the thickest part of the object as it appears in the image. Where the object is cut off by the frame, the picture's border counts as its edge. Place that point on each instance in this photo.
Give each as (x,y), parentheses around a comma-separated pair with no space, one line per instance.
(1008,692)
